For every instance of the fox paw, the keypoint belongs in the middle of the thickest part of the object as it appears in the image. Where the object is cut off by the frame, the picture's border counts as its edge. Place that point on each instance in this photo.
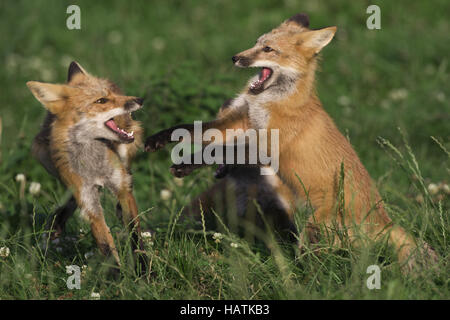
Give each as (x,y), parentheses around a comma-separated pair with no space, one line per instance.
(157,141)
(181,170)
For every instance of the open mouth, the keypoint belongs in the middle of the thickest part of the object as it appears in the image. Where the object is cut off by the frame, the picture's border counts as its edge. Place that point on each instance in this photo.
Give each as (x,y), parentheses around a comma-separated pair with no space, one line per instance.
(264,75)
(123,135)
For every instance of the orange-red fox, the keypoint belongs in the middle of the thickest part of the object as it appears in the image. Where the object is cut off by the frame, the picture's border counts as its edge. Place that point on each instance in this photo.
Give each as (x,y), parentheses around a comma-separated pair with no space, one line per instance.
(88,140)
(316,161)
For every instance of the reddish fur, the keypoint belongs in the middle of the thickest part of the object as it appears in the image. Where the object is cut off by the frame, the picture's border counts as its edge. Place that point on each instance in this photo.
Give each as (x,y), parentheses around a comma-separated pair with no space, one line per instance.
(75,100)
(311,146)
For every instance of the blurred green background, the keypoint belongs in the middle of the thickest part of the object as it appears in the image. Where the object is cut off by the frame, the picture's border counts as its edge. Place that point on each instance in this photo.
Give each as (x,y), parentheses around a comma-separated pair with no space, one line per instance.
(177,54)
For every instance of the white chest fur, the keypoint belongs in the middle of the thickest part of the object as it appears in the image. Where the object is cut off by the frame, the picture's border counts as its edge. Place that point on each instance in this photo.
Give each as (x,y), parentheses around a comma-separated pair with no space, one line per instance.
(257,113)
(259,116)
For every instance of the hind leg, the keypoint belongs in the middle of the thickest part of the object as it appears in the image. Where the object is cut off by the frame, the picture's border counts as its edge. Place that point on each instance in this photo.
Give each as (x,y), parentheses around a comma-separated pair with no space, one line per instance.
(128,210)
(41,151)
(319,223)
(88,200)
(410,255)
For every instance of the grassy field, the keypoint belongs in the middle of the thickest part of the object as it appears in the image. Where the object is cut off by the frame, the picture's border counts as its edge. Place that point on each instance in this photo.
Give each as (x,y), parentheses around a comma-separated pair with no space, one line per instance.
(386,89)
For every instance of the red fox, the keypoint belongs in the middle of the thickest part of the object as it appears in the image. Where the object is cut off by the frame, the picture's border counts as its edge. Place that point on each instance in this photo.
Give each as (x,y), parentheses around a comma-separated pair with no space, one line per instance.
(314,157)
(88,140)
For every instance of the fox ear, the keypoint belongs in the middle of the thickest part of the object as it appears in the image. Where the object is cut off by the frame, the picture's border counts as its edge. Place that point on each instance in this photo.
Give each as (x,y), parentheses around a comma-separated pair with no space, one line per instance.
(300,19)
(50,95)
(317,39)
(75,71)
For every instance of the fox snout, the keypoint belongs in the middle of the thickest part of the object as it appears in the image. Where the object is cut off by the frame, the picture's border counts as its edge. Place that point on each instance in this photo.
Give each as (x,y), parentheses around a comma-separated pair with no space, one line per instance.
(241,61)
(130,104)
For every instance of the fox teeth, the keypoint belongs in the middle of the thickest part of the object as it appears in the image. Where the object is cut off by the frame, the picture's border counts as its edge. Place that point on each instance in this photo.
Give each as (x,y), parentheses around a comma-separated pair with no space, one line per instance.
(254,84)
(129,134)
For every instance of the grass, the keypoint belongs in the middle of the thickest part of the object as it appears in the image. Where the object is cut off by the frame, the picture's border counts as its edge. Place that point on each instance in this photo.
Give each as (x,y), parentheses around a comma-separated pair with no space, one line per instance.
(386,89)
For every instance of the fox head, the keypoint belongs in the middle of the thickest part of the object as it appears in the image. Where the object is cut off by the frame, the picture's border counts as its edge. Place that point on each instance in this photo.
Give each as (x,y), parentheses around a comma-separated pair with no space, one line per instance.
(287,52)
(95,106)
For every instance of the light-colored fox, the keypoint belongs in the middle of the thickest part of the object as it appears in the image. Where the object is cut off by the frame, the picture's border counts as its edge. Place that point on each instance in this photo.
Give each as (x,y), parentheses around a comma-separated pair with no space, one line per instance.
(316,162)
(88,140)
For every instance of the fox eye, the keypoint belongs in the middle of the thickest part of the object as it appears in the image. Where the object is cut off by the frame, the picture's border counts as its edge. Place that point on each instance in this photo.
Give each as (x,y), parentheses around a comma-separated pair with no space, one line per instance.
(267,49)
(101,101)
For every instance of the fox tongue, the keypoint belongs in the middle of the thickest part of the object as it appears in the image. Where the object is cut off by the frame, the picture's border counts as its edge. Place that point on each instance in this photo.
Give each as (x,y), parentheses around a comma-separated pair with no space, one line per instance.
(122,133)
(258,84)
(265,73)
(111,124)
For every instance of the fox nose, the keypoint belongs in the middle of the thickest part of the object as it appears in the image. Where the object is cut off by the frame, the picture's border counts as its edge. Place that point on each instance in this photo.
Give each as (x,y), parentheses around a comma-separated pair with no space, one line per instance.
(139,101)
(241,61)
(130,104)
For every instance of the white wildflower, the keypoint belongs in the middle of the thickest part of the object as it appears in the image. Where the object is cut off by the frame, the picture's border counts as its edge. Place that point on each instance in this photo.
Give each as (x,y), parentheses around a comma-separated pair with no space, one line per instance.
(95,296)
(84,269)
(344,101)
(234,245)
(35,188)
(440,96)
(147,238)
(4,252)
(419,198)
(89,254)
(20,177)
(146,235)
(217,237)
(446,188)
(178,181)
(398,94)
(165,194)
(158,44)
(433,188)
(115,37)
